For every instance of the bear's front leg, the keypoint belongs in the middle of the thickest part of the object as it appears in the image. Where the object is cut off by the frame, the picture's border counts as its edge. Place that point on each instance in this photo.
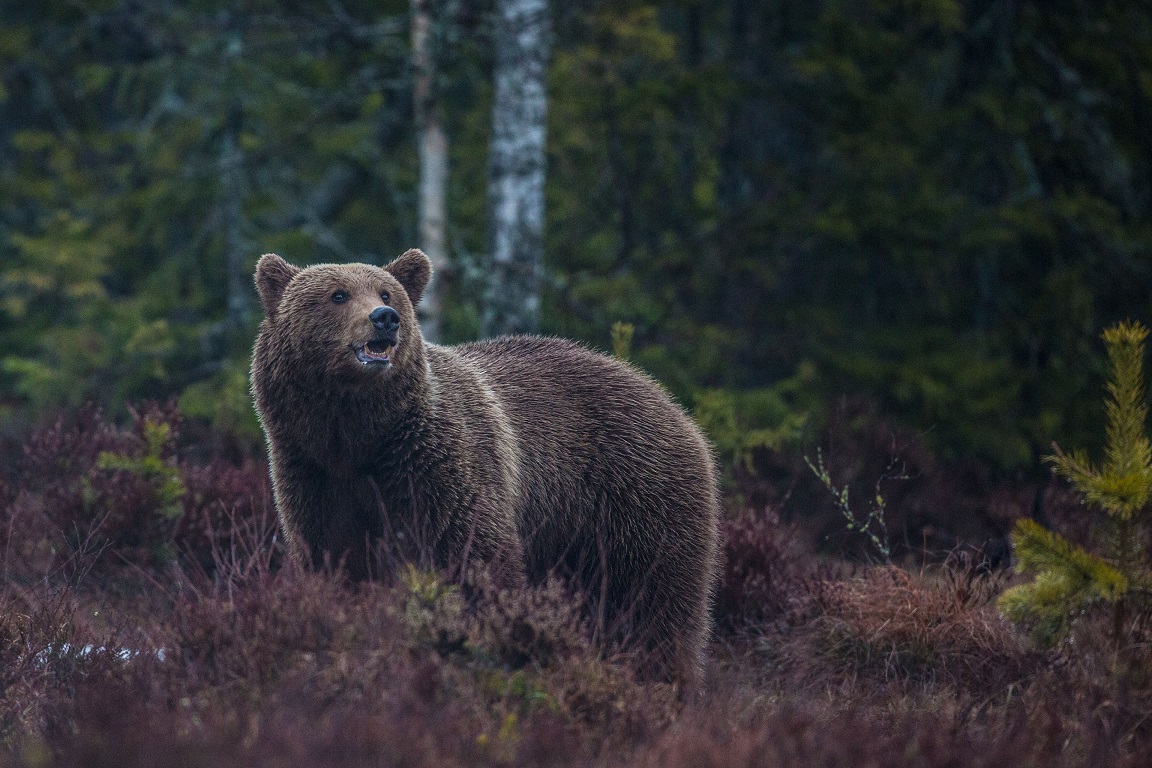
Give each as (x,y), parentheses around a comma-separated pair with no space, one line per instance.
(326,519)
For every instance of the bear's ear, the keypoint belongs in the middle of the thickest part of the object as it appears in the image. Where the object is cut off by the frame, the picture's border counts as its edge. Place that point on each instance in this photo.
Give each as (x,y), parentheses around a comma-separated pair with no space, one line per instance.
(413,270)
(272,276)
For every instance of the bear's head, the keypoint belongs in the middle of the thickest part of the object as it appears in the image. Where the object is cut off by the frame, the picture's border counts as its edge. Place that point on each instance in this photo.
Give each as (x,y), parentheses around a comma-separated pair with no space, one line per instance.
(344,319)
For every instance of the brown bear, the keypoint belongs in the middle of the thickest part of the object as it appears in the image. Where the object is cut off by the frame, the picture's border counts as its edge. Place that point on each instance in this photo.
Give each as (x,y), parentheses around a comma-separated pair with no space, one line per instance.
(533,455)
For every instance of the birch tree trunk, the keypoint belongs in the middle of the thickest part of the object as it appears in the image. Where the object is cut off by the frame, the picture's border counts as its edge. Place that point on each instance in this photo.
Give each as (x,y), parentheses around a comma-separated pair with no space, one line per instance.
(516,166)
(433,166)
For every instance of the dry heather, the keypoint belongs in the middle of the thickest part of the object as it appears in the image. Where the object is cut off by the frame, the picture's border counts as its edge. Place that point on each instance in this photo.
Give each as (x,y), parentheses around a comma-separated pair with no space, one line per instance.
(189,641)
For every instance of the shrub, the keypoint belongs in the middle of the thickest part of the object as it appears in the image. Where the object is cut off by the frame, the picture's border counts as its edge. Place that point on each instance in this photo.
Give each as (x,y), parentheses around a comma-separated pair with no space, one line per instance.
(762,578)
(743,424)
(250,630)
(227,654)
(1070,579)
(44,653)
(90,497)
(931,510)
(543,625)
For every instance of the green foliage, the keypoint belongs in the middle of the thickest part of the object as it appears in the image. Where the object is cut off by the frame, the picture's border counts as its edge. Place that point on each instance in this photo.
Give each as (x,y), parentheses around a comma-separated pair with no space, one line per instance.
(139,184)
(926,210)
(153,465)
(622,339)
(225,401)
(51,276)
(1122,486)
(950,385)
(432,611)
(740,423)
(1068,578)
(880,200)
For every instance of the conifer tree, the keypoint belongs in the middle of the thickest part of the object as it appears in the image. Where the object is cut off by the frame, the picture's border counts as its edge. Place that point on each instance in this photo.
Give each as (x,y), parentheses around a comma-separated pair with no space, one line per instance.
(1069,579)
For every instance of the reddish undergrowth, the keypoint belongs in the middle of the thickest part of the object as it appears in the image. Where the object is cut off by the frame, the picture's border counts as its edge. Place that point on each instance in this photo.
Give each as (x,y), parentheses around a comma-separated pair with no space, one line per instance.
(189,640)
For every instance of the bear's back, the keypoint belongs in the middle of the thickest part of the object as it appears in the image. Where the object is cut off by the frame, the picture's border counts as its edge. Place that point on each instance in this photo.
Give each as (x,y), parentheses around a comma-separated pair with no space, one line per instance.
(595,436)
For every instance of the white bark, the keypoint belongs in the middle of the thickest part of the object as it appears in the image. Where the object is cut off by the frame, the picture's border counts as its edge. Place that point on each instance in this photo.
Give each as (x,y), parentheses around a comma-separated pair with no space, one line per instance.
(433,148)
(516,166)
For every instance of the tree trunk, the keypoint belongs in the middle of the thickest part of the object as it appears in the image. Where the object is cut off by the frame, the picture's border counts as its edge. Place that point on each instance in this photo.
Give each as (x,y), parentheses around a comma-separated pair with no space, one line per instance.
(516,166)
(433,166)
(232,217)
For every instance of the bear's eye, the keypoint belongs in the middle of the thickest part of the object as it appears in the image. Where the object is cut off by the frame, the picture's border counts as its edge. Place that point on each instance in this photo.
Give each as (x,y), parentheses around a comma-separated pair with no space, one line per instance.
(339,297)
(384,296)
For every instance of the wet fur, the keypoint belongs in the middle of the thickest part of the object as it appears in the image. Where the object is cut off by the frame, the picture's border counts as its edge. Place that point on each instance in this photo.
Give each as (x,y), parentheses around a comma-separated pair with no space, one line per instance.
(534,455)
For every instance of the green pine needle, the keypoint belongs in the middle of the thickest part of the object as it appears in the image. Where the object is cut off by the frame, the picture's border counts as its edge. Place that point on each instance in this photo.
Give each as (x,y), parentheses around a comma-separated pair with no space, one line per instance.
(1069,580)
(1123,485)
(1041,551)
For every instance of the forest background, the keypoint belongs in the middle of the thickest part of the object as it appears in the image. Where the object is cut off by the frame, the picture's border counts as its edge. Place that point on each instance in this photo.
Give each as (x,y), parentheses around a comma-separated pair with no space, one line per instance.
(933,206)
(870,244)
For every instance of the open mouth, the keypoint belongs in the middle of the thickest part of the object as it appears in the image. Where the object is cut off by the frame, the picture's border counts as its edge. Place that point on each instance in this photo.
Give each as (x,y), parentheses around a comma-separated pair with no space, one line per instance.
(375,352)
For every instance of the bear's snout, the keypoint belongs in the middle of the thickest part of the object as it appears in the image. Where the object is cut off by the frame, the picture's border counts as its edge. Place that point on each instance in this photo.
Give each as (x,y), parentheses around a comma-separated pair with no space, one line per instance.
(378,351)
(385,319)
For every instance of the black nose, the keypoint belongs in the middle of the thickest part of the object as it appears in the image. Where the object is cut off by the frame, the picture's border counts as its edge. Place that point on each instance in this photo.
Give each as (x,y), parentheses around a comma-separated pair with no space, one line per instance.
(385,318)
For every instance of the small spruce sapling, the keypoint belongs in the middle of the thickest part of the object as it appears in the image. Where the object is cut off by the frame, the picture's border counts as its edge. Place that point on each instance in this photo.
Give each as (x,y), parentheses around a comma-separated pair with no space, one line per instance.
(151,465)
(1069,579)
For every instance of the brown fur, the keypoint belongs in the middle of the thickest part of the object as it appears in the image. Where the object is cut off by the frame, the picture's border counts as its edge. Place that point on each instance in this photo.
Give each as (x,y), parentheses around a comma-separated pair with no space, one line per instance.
(533,454)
